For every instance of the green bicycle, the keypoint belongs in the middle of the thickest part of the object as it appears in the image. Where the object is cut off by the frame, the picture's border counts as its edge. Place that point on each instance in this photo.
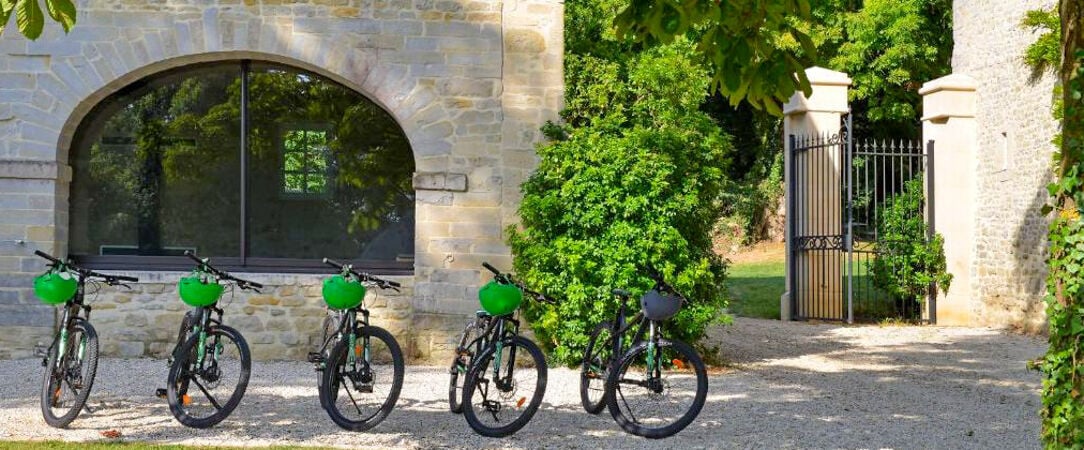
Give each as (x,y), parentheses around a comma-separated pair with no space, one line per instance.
(360,365)
(211,361)
(505,373)
(71,362)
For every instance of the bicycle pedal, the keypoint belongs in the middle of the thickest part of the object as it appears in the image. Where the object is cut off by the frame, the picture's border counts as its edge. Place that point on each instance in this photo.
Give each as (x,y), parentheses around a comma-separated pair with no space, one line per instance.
(315,357)
(160,393)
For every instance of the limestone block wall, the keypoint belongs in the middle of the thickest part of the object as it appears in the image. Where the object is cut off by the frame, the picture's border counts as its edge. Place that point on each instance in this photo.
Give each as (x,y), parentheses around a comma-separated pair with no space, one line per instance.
(1014,160)
(469,81)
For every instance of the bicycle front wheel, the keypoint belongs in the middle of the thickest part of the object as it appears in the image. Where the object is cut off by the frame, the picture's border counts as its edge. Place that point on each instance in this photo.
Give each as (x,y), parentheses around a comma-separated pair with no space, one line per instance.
(657,391)
(597,360)
(69,376)
(504,387)
(203,392)
(358,392)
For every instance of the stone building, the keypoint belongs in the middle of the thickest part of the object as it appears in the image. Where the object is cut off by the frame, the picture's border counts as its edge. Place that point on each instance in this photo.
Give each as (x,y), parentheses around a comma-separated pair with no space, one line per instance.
(268,134)
(1012,161)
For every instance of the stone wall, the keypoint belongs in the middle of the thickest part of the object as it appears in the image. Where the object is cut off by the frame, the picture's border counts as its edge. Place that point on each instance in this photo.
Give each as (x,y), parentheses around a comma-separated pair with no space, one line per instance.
(1014,160)
(469,81)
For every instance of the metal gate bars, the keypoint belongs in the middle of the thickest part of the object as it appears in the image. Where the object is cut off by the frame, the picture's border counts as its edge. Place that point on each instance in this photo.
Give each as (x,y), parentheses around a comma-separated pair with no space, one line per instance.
(838,191)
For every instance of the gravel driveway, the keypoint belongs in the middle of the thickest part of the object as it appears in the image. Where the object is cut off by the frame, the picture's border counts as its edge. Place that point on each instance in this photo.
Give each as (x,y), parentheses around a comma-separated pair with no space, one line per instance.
(791,385)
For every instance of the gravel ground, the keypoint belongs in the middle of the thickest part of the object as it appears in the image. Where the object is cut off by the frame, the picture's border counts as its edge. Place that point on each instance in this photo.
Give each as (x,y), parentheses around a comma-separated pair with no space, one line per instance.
(790,385)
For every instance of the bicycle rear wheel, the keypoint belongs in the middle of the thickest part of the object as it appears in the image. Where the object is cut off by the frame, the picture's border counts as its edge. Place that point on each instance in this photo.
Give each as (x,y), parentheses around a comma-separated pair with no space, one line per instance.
(657,392)
(464,355)
(202,393)
(597,360)
(504,388)
(360,394)
(69,376)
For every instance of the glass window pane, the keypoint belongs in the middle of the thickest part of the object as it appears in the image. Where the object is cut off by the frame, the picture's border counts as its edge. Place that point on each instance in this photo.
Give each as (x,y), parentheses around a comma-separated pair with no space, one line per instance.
(157,168)
(329,172)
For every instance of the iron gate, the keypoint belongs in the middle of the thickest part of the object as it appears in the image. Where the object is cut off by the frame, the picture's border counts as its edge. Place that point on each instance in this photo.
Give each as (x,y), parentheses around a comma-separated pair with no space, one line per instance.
(835,197)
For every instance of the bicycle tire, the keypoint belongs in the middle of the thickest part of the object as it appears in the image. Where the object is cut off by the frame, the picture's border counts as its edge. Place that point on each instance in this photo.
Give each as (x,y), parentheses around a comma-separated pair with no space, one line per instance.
(635,423)
(334,380)
(182,375)
(460,365)
(597,360)
(478,375)
(53,382)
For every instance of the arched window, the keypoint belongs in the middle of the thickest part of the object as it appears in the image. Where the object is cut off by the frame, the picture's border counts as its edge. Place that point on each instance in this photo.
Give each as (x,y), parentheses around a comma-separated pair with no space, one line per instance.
(262,166)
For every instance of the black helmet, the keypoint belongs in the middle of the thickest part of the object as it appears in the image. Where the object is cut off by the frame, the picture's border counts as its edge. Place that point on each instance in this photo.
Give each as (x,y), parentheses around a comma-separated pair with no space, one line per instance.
(660,306)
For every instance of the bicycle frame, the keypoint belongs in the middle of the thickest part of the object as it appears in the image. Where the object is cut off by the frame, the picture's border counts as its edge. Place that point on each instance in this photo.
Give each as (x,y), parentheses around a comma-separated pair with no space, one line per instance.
(349,322)
(492,337)
(71,312)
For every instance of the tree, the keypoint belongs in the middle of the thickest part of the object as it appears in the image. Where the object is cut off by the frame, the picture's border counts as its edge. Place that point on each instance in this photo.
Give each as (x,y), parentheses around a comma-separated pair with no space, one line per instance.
(29,17)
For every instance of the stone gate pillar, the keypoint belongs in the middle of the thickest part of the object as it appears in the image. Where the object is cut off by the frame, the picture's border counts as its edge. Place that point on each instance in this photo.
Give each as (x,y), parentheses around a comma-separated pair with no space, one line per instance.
(818,115)
(948,121)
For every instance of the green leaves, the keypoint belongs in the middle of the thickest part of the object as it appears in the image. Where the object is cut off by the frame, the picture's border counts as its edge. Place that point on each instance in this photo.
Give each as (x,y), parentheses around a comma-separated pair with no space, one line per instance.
(738,40)
(29,18)
(633,180)
(907,261)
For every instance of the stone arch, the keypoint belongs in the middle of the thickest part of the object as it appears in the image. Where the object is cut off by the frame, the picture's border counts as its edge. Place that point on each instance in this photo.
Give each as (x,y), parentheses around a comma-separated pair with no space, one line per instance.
(410,104)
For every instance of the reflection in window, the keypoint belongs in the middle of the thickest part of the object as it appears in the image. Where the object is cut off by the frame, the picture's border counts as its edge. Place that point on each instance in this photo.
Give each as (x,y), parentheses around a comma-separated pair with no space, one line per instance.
(158,169)
(304,162)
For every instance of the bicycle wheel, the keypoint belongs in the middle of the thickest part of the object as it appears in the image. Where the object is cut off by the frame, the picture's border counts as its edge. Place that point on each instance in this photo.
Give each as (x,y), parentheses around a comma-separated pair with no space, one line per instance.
(496,404)
(202,393)
(464,354)
(330,327)
(359,394)
(69,376)
(656,394)
(597,360)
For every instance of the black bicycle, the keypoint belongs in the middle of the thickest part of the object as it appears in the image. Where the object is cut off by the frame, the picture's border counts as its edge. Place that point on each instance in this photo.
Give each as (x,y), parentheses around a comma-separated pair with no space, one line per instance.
(360,365)
(71,362)
(505,373)
(653,387)
(209,367)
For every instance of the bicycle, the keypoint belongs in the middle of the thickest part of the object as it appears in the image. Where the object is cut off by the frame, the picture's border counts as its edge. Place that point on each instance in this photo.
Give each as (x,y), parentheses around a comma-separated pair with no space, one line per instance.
(355,356)
(498,379)
(645,381)
(208,353)
(71,362)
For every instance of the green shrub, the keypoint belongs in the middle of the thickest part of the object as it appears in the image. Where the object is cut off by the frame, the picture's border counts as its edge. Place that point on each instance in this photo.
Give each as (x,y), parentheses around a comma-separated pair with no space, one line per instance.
(635,184)
(907,261)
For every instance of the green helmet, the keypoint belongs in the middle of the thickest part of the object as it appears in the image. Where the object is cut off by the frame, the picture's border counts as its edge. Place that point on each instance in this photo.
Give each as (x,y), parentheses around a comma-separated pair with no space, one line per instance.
(55,287)
(499,299)
(197,293)
(341,293)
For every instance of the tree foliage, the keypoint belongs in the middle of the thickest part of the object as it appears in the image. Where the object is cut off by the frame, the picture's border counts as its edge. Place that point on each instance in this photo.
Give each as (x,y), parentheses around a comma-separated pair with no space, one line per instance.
(631,180)
(908,261)
(29,18)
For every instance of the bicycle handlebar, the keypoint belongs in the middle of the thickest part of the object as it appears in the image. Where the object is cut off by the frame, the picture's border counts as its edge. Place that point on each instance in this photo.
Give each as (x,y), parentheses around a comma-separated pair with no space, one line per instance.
(86,273)
(221,274)
(362,275)
(538,296)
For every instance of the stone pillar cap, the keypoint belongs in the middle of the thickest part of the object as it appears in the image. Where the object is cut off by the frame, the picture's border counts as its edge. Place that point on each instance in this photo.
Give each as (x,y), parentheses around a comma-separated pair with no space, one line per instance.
(827,77)
(951,82)
(829,93)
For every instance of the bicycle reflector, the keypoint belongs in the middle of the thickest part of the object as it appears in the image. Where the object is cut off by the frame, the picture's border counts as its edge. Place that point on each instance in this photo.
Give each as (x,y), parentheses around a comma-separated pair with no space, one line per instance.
(658,306)
(197,293)
(499,299)
(340,293)
(54,288)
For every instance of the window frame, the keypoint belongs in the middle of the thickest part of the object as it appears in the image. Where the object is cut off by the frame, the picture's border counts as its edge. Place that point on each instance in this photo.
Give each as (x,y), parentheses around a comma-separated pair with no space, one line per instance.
(242,262)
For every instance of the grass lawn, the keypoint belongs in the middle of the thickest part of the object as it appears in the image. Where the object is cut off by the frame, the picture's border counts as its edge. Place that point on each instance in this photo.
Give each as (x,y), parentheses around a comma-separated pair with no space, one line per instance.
(756,280)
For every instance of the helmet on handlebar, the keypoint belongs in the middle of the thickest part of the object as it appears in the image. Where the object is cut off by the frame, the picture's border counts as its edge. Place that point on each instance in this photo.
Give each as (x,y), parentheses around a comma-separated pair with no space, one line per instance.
(499,299)
(55,287)
(660,306)
(197,292)
(341,293)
